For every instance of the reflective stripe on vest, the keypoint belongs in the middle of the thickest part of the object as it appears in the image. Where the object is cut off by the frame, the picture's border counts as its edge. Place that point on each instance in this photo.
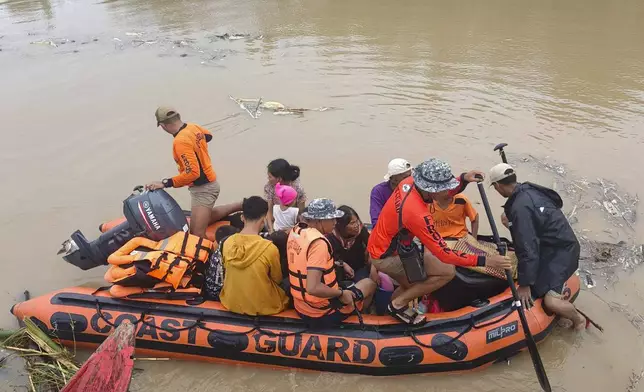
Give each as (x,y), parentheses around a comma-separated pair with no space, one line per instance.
(299,242)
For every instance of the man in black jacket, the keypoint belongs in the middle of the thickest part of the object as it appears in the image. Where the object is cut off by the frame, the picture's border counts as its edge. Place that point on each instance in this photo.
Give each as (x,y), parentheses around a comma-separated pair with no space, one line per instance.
(545,244)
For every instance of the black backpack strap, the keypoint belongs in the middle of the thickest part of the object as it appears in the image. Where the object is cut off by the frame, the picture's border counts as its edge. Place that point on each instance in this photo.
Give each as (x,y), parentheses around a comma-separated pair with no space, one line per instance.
(221,245)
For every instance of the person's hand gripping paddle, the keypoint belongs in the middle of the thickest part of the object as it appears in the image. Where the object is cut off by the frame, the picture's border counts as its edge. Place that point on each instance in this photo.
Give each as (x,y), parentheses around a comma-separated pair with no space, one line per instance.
(500,148)
(532,346)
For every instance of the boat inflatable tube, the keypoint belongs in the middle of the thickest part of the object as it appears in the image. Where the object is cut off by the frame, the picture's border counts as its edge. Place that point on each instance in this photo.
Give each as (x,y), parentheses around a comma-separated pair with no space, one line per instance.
(477,335)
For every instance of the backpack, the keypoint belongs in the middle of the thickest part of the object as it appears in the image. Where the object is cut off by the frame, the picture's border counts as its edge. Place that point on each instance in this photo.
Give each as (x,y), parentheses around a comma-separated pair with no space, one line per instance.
(214,275)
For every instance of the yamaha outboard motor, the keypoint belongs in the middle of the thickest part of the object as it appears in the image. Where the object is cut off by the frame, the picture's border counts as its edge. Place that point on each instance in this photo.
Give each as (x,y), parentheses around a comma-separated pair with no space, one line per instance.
(151,214)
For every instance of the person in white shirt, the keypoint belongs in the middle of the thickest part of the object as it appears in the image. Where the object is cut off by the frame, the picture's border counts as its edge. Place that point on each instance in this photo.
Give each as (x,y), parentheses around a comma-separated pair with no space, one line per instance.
(285,214)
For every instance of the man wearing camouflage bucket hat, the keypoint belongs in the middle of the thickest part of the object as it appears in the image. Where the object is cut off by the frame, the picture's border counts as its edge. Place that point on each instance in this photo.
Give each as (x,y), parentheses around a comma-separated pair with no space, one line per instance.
(317,297)
(406,215)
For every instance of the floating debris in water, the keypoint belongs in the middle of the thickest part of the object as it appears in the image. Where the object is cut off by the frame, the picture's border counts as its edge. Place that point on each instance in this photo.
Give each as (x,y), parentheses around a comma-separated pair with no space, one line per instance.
(276,107)
(250,106)
(138,42)
(49,365)
(53,42)
(634,380)
(618,210)
(209,55)
(233,37)
(44,42)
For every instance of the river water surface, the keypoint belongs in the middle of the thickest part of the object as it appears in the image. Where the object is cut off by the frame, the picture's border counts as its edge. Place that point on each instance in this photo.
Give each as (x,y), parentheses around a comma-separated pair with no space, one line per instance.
(416,79)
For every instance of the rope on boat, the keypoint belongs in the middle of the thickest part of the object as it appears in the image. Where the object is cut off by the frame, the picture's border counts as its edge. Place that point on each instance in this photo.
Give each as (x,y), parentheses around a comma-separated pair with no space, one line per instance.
(199,323)
(467,329)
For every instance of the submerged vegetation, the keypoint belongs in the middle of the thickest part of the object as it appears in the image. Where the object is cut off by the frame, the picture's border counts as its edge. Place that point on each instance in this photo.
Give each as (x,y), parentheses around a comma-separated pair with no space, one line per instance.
(49,365)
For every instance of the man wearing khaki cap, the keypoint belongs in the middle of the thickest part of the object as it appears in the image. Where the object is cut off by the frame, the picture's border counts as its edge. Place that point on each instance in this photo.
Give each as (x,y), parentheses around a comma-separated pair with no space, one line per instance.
(190,151)
(545,244)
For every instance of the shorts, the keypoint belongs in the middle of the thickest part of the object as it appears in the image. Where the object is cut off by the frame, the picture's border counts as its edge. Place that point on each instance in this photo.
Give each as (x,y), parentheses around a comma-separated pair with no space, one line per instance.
(556,292)
(358,275)
(391,266)
(204,195)
(362,273)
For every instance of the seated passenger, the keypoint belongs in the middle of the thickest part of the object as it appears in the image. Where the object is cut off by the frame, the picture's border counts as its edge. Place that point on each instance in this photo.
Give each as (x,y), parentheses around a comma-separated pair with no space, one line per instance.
(397,170)
(280,171)
(252,264)
(279,239)
(449,214)
(285,213)
(406,215)
(349,247)
(317,297)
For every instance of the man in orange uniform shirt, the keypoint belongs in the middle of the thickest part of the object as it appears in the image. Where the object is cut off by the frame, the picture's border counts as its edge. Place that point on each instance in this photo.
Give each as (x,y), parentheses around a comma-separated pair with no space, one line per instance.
(406,211)
(190,151)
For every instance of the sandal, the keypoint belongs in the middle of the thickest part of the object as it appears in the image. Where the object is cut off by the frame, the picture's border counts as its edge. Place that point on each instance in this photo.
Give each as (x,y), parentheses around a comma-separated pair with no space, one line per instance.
(403,315)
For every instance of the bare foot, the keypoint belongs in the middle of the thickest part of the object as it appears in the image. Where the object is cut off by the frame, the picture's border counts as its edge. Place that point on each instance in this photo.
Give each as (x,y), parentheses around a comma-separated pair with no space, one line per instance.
(581,324)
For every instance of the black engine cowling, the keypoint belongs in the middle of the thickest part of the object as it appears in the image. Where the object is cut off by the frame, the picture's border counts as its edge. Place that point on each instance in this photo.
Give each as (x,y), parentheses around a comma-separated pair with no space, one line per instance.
(151,214)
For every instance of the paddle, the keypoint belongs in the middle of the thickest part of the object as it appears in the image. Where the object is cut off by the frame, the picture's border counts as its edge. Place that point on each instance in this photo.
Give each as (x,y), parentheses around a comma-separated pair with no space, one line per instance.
(532,346)
(500,148)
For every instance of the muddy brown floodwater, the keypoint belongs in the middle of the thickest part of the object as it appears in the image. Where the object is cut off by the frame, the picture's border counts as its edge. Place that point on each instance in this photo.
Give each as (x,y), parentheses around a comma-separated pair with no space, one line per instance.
(80,79)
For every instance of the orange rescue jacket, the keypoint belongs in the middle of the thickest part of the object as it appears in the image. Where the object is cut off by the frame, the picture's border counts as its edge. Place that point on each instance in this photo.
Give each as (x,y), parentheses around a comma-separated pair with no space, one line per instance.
(144,263)
(190,151)
(299,242)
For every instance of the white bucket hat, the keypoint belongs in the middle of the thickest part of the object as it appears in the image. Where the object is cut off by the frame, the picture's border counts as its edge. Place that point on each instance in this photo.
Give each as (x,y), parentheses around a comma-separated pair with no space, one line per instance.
(397,166)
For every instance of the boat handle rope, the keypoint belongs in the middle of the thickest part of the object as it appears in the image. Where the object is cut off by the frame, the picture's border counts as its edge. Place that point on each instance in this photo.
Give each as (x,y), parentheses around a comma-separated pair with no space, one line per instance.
(111,324)
(412,334)
(471,325)
(142,320)
(200,324)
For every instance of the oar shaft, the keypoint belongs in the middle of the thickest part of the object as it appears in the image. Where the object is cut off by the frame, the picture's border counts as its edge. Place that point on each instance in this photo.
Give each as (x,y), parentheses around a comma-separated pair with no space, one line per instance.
(532,346)
(490,217)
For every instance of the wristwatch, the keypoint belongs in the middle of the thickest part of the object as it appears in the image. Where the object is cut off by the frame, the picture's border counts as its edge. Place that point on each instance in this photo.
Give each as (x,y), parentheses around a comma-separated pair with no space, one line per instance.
(167,182)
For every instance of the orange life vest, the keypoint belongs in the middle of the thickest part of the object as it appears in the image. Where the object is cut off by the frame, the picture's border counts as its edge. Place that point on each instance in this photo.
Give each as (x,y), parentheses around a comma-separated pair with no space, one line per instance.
(299,242)
(144,263)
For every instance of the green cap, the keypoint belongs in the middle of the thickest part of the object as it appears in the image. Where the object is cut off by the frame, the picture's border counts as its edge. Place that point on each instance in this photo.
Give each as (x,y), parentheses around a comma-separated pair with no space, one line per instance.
(164,113)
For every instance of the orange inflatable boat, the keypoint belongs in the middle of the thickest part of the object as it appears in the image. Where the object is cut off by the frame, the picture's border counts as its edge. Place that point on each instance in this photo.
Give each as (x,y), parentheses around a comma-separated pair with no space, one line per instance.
(480,325)
(465,339)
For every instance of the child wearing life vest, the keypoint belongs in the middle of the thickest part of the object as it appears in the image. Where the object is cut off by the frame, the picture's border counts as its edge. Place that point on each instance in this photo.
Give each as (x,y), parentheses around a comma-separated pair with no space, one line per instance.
(285,214)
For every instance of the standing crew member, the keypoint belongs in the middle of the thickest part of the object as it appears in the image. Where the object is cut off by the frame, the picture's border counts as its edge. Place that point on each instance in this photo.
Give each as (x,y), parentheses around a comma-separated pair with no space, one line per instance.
(190,151)
(545,244)
(406,215)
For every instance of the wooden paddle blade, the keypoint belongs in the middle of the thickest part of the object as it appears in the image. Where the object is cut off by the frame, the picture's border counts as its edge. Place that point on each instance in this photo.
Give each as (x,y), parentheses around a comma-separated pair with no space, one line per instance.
(109,369)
